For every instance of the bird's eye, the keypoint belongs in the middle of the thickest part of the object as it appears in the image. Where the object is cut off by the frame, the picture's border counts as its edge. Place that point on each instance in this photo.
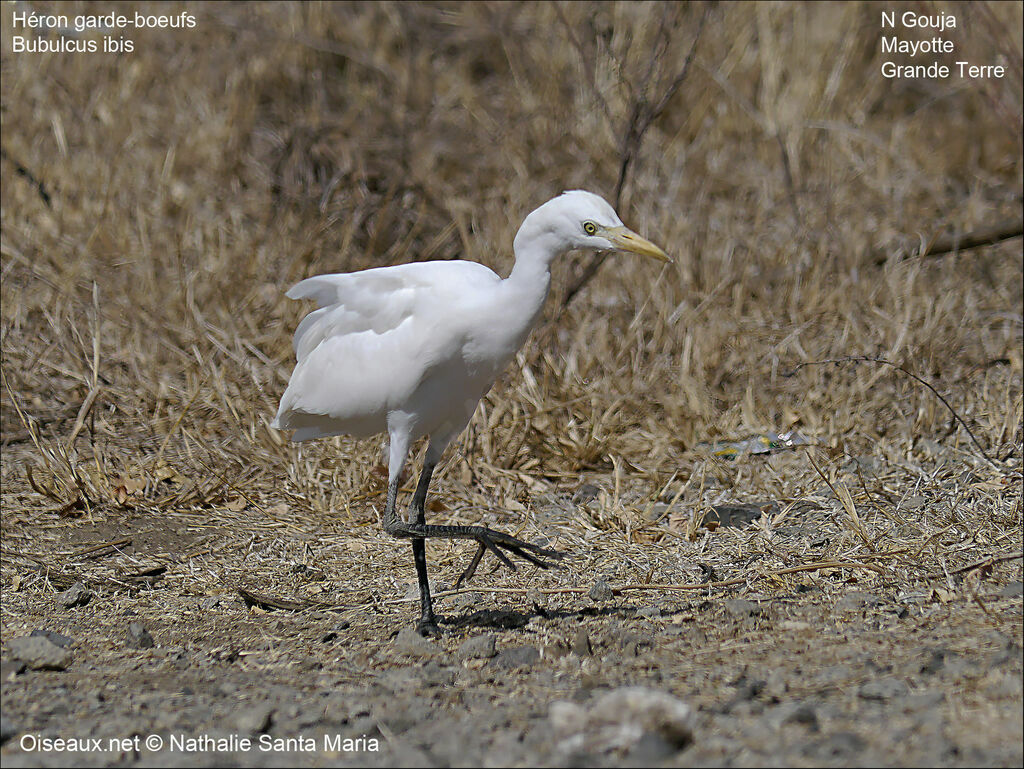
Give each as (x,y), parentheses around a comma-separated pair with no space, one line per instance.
(589,227)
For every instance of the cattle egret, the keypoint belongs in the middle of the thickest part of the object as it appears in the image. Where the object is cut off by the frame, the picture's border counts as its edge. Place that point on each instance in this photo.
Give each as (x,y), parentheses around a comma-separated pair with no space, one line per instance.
(411,349)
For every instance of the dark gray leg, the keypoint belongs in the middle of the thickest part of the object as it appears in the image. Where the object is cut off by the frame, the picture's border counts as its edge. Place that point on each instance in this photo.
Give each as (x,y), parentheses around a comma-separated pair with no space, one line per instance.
(418,530)
(427,624)
(488,539)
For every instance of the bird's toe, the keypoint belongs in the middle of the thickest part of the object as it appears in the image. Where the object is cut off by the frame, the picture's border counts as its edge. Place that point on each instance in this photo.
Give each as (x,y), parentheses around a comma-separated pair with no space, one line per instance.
(427,627)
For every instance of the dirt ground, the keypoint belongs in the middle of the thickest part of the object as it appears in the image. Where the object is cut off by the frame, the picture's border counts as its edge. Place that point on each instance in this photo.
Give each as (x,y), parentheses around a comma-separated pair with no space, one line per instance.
(841,667)
(183,586)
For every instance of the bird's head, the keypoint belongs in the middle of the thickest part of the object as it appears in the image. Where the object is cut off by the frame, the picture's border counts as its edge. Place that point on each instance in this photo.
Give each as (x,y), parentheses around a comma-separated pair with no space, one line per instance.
(583,220)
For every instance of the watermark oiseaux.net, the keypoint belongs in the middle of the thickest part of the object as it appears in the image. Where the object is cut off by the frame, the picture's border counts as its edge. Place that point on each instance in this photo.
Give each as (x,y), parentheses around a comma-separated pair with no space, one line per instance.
(203,743)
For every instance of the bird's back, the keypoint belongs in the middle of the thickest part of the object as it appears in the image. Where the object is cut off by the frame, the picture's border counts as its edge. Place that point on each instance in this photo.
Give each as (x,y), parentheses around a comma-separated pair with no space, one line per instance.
(375,337)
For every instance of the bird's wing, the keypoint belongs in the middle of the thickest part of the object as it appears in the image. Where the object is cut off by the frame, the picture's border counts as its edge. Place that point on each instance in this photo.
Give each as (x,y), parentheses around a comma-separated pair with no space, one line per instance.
(375,336)
(379,299)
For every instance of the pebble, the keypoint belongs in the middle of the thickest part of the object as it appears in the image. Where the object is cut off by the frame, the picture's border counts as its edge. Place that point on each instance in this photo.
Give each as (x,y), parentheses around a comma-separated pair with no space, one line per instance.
(39,653)
(477,647)
(802,713)
(139,637)
(936,661)
(630,642)
(585,493)
(7,729)
(1013,589)
(740,515)
(883,689)
(601,591)
(55,638)
(921,701)
(252,718)
(650,749)
(432,674)
(11,668)
(857,601)
(412,644)
(656,512)
(516,656)
(76,595)
(748,689)
(864,462)
(623,719)
(336,632)
(581,643)
(740,607)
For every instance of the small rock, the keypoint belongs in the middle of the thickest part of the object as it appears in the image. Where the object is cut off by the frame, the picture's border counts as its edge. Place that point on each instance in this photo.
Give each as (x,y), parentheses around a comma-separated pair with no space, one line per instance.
(916,599)
(412,644)
(516,656)
(914,503)
(748,689)
(740,607)
(936,661)
(432,674)
(921,701)
(655,512)
(76,595)
(252,718)
(865,463)
(55,638)
(11,668)
(601,591)
(621,719)
(555,650)
(649,611)
(139,637)
(210,602)
(39,653)
(581,643)
(857,601)
(335,633)
(650,749)
(883,689)
(585,493)
(802,713)
(7,729)
(1012,589)
(740,515)
(629,643)
(478,647)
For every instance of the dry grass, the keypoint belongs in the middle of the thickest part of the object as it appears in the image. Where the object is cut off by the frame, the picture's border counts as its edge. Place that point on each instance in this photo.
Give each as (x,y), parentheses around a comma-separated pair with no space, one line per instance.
(146,337)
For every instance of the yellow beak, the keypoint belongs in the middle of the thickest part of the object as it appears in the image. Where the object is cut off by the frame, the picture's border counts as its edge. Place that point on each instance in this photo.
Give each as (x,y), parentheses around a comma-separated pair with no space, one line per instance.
(627,240)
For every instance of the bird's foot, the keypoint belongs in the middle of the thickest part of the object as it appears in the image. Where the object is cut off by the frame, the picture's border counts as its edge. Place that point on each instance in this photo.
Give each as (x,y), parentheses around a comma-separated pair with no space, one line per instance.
(496,541)
(427,627)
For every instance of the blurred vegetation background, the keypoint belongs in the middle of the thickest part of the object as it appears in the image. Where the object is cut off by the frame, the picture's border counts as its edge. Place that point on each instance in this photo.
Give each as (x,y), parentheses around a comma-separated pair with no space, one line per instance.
(156,205)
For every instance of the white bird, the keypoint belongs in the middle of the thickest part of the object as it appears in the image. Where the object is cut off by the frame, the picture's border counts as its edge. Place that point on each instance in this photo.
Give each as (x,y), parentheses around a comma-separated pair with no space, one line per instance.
(411,349)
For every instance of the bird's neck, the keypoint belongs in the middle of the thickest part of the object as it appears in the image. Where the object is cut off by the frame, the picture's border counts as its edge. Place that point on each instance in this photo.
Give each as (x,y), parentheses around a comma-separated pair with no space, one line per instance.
(531,274)
(523,292)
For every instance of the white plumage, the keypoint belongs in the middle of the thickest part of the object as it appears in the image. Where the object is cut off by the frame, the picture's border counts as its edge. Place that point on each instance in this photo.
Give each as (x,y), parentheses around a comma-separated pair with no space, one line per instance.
(411,349)
(384,339)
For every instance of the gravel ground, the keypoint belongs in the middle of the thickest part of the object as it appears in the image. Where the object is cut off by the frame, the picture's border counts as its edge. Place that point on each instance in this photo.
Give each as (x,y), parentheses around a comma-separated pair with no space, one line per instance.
(827,675)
